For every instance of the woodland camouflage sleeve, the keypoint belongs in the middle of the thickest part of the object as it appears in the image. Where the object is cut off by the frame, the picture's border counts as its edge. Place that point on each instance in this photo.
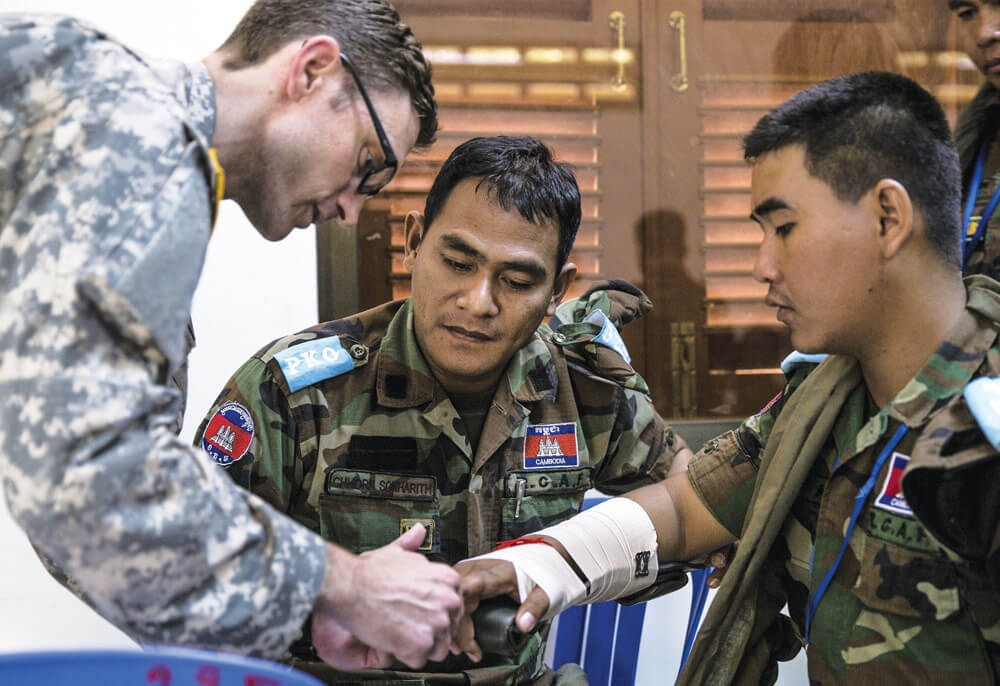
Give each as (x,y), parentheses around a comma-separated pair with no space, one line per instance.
(251,432)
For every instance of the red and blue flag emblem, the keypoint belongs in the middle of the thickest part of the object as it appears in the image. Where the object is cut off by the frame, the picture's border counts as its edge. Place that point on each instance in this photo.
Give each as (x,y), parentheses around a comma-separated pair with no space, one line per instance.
(229,434)
(550,446)
(891,498)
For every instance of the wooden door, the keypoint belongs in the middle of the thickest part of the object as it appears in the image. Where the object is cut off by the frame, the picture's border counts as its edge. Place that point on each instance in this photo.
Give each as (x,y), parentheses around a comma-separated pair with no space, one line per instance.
(566,72)
(741,59)
(651,116)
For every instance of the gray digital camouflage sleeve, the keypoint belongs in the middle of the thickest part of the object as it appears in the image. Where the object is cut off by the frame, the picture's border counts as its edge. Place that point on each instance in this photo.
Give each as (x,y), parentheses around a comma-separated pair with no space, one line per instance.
(104,216)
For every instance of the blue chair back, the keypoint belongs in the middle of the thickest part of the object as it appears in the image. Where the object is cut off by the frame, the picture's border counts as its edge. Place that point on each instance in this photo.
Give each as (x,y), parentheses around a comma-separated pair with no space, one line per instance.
(602,638)
(149,667)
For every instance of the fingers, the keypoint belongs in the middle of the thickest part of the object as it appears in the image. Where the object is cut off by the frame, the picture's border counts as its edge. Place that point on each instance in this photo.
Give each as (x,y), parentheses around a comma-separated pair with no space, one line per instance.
(533,607)
(465,640)
(487,578)
(411,539)
(720,561)
(337,646)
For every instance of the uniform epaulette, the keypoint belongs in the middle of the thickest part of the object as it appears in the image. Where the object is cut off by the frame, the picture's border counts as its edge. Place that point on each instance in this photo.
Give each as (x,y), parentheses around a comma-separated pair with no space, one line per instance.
(983,398)
(587,328)
(307,362)
(594,347)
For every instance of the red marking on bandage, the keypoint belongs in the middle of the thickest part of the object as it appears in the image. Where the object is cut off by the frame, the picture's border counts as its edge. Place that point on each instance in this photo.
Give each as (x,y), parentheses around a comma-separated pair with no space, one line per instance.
(522,541)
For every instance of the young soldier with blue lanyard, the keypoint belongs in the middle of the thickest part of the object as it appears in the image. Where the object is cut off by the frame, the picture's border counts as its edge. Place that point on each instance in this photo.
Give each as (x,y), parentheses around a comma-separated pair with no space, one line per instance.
(978,24)
(866,496)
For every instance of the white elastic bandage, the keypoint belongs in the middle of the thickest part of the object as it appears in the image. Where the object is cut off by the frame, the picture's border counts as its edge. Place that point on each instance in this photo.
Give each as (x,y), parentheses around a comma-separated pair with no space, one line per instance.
(613,544)
(538,564)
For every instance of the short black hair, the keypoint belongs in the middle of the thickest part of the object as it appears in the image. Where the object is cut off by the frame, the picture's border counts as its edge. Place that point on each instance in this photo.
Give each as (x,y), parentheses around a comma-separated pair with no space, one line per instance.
(380,46)
(517,171)
(861,128)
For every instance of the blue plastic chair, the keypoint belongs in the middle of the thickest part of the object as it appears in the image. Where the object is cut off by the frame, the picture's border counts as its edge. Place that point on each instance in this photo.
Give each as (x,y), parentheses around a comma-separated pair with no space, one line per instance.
(604,638)
(152,666)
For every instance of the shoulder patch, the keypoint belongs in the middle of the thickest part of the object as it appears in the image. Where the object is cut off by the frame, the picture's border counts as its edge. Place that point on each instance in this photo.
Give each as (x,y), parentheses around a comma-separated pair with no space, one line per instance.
(229,433)
(609,335)
(983,398)
(314,361)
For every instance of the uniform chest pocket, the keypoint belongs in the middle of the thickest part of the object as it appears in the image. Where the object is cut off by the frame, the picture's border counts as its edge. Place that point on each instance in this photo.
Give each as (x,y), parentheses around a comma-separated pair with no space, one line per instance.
(902,571)
(363,510)
(533,500)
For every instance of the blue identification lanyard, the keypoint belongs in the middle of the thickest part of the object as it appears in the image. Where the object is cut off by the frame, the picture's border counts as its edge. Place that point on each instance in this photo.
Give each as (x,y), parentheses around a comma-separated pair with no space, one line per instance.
(859,503)
(970,204)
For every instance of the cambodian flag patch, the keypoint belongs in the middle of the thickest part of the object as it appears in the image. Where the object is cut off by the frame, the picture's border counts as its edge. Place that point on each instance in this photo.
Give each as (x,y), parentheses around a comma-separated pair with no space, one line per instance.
(550,446)
(227,437)
(891,498)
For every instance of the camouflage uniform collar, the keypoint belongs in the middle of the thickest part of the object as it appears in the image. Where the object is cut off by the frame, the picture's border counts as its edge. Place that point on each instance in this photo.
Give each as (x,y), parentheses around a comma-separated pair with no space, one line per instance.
(201,101)
(531,374)
(195,91)
(949,369)
(404,379)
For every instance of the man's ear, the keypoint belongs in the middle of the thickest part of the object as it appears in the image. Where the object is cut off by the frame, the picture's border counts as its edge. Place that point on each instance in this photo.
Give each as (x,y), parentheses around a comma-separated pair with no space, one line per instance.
(413,228)
(564,280)
(895,215)
(315,63)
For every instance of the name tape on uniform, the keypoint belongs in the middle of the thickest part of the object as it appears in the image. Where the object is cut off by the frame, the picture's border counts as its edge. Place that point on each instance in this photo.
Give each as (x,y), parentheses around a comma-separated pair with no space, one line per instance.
(550,482)
(380,484)
(550,446)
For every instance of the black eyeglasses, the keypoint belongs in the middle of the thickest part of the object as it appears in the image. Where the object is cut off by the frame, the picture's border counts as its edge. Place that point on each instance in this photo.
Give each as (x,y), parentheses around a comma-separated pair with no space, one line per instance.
(376,178)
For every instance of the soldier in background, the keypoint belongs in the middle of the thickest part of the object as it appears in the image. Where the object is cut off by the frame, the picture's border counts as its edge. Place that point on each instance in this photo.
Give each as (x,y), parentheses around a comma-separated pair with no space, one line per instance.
(452,408)
(111,170)
(976,135)
(866,496)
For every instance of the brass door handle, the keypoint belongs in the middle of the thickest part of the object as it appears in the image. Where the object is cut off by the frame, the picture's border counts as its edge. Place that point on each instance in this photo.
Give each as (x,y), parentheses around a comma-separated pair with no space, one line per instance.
(679,81)
(616,20)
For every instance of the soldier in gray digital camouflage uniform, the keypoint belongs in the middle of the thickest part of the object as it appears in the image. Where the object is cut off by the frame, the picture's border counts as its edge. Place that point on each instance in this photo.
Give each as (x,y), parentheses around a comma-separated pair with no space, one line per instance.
(112,168)
(449,408)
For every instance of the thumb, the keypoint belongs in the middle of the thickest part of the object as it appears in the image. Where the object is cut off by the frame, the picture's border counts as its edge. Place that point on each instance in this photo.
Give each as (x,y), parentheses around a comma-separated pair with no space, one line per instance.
(533,607)
(412,539)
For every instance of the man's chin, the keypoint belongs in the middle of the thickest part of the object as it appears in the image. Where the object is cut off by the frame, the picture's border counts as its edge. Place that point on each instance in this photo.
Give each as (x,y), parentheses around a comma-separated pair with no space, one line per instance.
(269,227)
(273,231)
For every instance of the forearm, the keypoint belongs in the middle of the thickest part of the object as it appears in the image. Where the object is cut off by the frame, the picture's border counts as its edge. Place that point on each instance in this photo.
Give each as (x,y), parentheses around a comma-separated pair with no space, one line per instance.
(154,534)
(685,529)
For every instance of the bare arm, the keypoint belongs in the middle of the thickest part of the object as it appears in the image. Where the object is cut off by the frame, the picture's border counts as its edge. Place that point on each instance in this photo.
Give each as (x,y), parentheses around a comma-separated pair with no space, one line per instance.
(685,529)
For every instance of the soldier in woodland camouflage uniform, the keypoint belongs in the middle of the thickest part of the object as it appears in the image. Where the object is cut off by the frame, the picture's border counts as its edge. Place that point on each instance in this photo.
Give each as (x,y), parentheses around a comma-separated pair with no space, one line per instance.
(109,183)
(867,495)
(449,409)
(978,126)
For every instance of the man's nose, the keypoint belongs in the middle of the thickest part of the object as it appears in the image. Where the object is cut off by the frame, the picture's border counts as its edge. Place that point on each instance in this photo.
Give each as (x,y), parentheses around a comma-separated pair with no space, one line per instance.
(989,25)
(349,206)
(765,267)
(478,299)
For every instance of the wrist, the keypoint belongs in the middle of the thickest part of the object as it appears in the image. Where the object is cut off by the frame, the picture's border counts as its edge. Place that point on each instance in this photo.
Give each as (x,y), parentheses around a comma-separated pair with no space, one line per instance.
(338,587)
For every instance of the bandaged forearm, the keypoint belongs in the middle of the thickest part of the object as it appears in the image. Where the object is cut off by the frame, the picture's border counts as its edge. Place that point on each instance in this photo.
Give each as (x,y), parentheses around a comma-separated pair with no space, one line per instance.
(612,544)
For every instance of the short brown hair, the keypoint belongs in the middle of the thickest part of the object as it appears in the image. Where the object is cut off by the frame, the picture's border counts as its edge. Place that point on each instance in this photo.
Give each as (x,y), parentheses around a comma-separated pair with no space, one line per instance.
(382,48)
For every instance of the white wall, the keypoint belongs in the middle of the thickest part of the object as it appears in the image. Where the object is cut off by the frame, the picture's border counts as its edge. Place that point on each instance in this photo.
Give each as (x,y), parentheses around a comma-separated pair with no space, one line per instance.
(251,292)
